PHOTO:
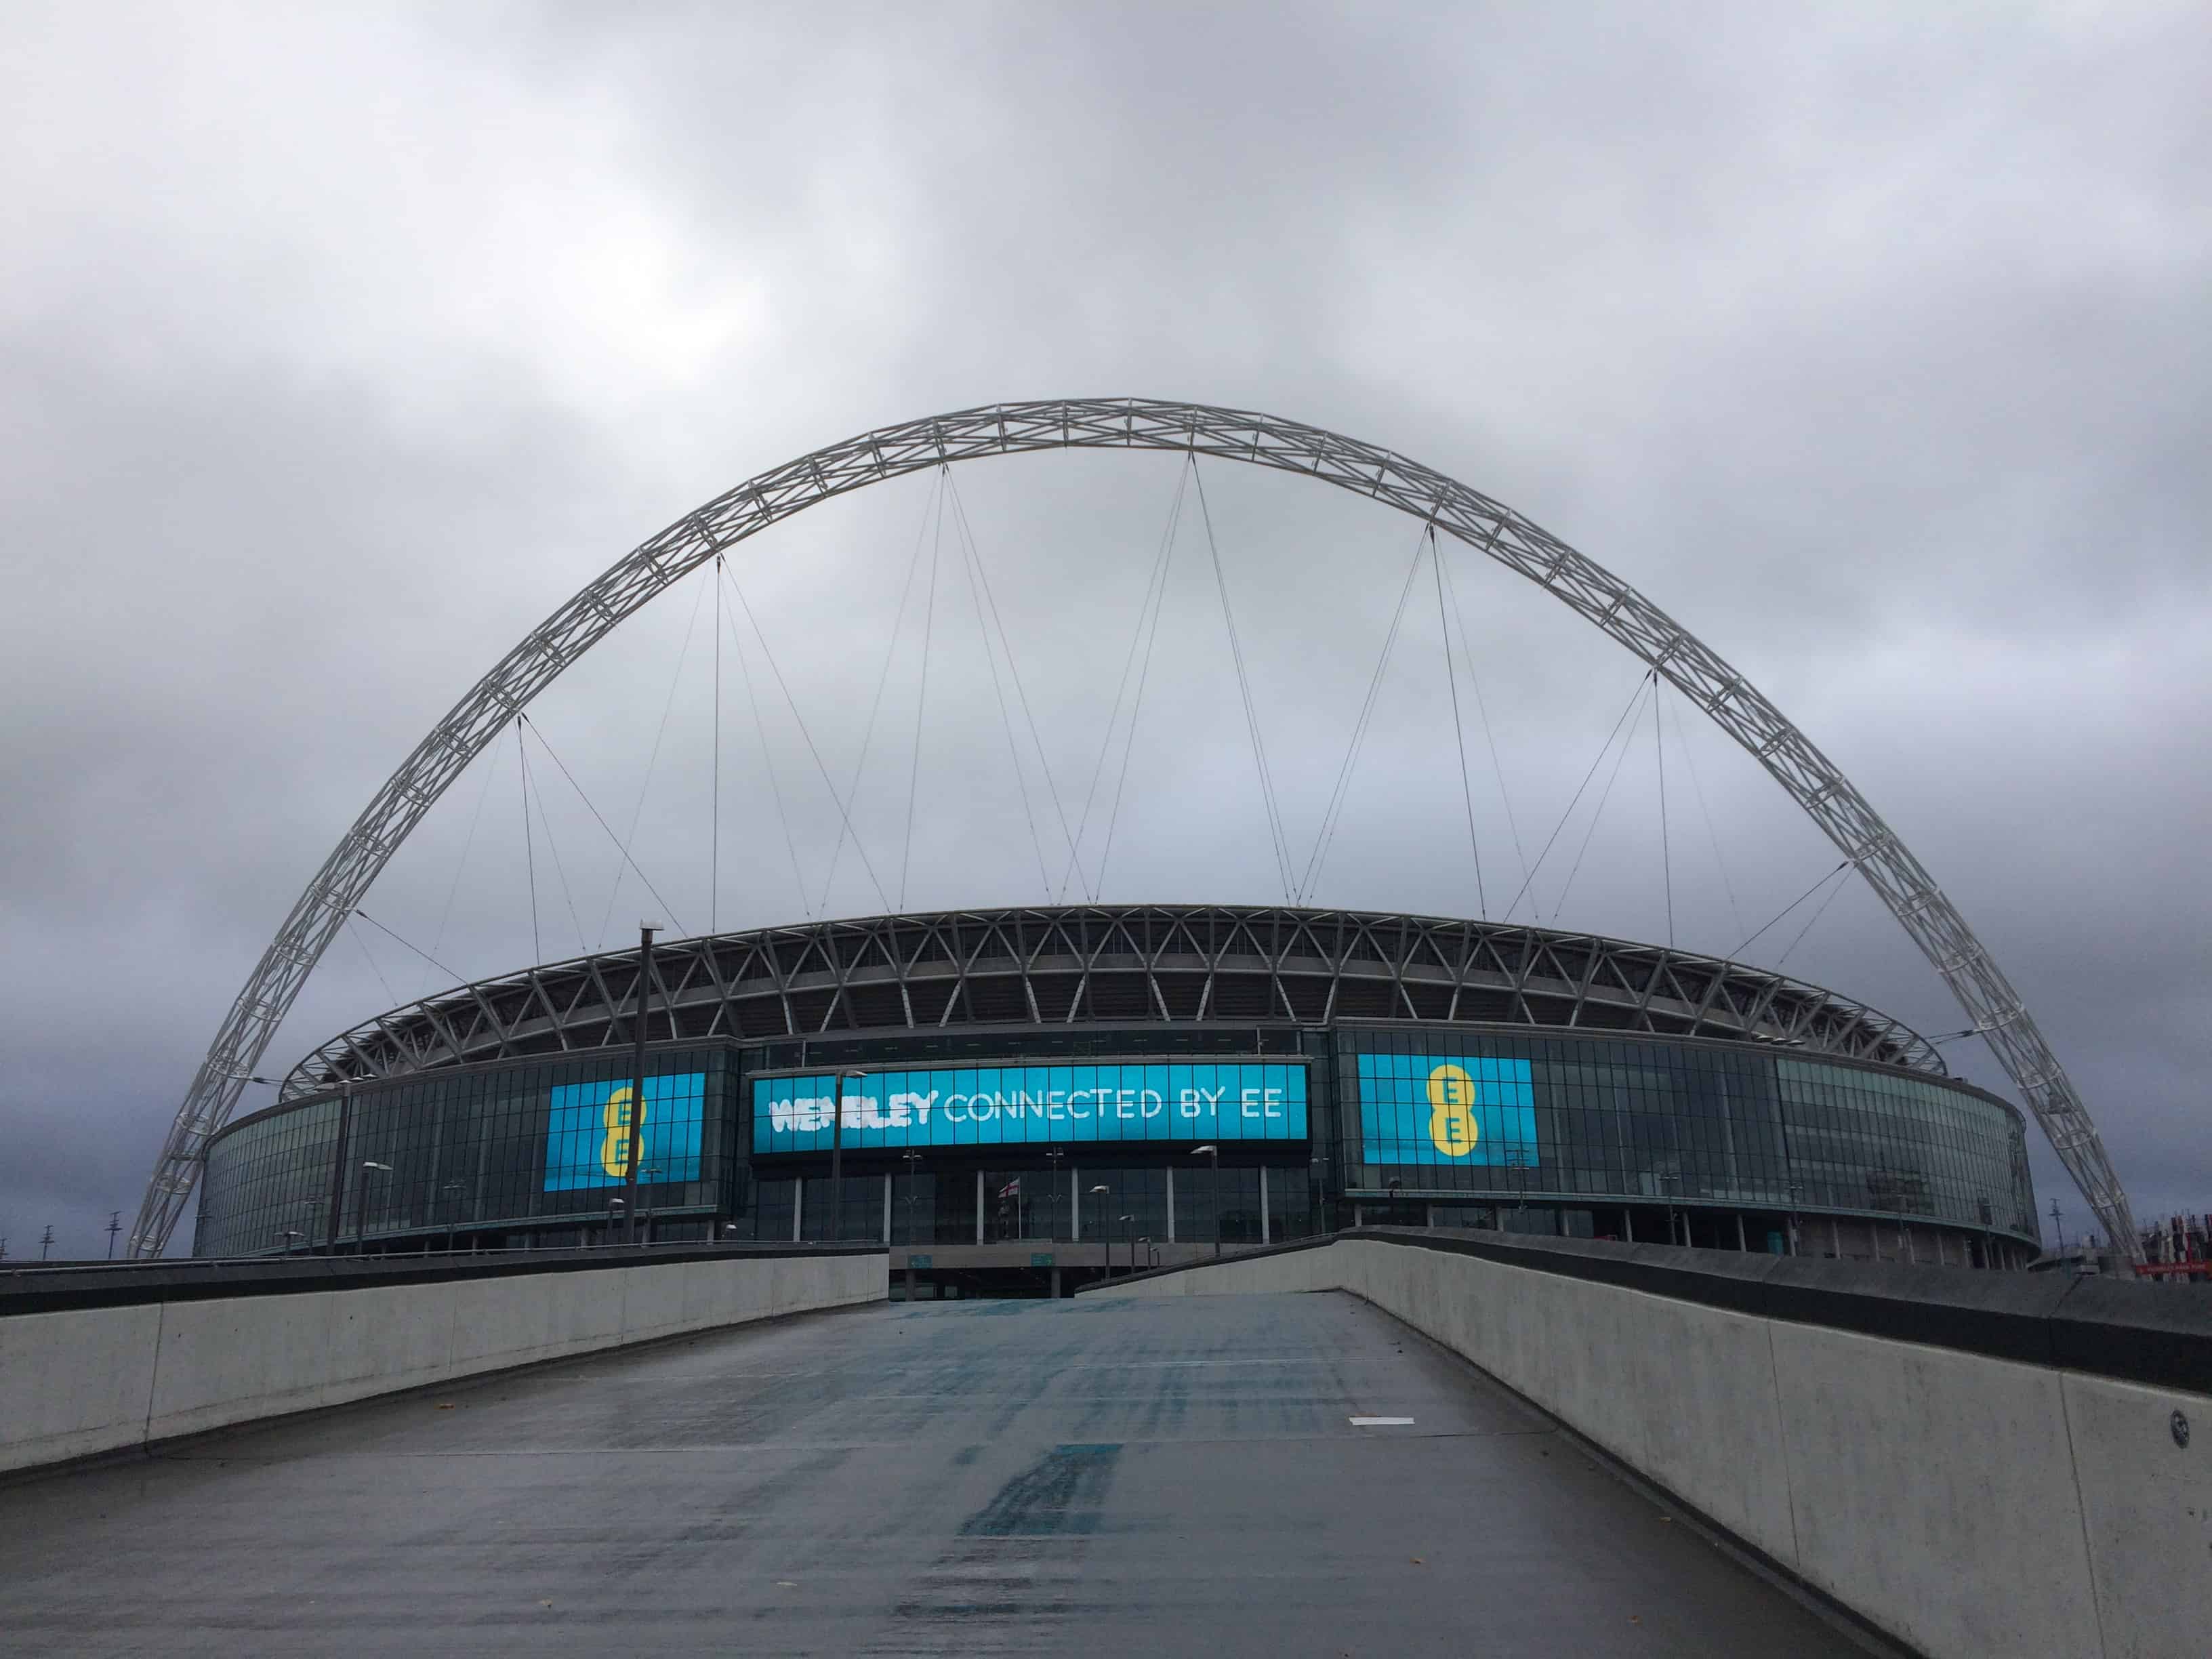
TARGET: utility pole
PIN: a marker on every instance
(635, 1127)
(2058, 1227)
(46, 1242)
(114, 1226)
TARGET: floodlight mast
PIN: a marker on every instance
(1729, 699)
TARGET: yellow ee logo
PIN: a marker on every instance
(1451, 1115)
(614, 1150)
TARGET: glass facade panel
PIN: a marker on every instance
(444, 1154)
(1653, 1121)
(1471, 1126)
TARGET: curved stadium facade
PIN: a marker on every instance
(1006, 1090)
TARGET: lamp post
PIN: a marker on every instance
(1053, 1155)
(1096, 1192)
(615, 1210)
(287, 1234)
(446, 1192)
(1213, 1192)
(360, 1220)
(837, 1152)
(634, 1138)
(339, 1161)
(913, 1161)
(1121, 1223)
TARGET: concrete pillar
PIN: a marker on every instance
(798, 1209)
(887, 1208)
(1739, 1244)
(1056, 1283)
(979, 1207)
(1171, 1236)
(1263, 1207)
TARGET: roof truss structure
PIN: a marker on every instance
(1097, 964)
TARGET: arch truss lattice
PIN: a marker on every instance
(1810, 779)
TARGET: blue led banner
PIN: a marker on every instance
(1429, 1108)
(991, 1105)
(588, 1135)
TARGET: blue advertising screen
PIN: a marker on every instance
(1426, 1109)
(587, 1134)
(993, 1105)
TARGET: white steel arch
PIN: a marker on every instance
(1583, 586)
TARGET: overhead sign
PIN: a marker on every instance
(1427, 1108)
(993, 1105)
(587, 1132)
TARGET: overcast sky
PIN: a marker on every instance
(339, 345)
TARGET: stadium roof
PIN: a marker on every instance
(1116, 965)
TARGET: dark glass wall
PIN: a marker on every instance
(1655, 1121)
(1537, 1128)
(459, 1153)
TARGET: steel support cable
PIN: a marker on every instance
(920, 699)
(553, 848)
(1013, 667)
(1340, 792)
(1819, 910)
(799, 720)
(1666, 852)
(461, 864)
(653, 760)
(1156, 579)
(1616, 609)
(1267, 799)
(667, 910)
(1482, 712)
(449, 973)
(971, 564)
(1129, 745)
(529, 848)
(1635, 699)
(1598, 811)
(1737, 954)
(932, 508)
(715, 807)
(370, 956)
(1459, 729)
(1697, 789)
(768, 762)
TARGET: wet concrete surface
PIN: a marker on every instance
(1100, 1476)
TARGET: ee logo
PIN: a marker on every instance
(1452, 1114)
(614, 1150)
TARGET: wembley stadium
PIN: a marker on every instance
(1019, 1100)
(1019, 1094)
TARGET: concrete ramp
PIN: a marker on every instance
(1262, 1475)
(1978, 1464)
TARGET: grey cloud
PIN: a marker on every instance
(337, 349)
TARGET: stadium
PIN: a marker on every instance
(1032, 1097)
(1016, 1096)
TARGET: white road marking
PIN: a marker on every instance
(1381, 1422)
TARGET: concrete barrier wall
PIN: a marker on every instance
(87, 1380)
(1966, 1503)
